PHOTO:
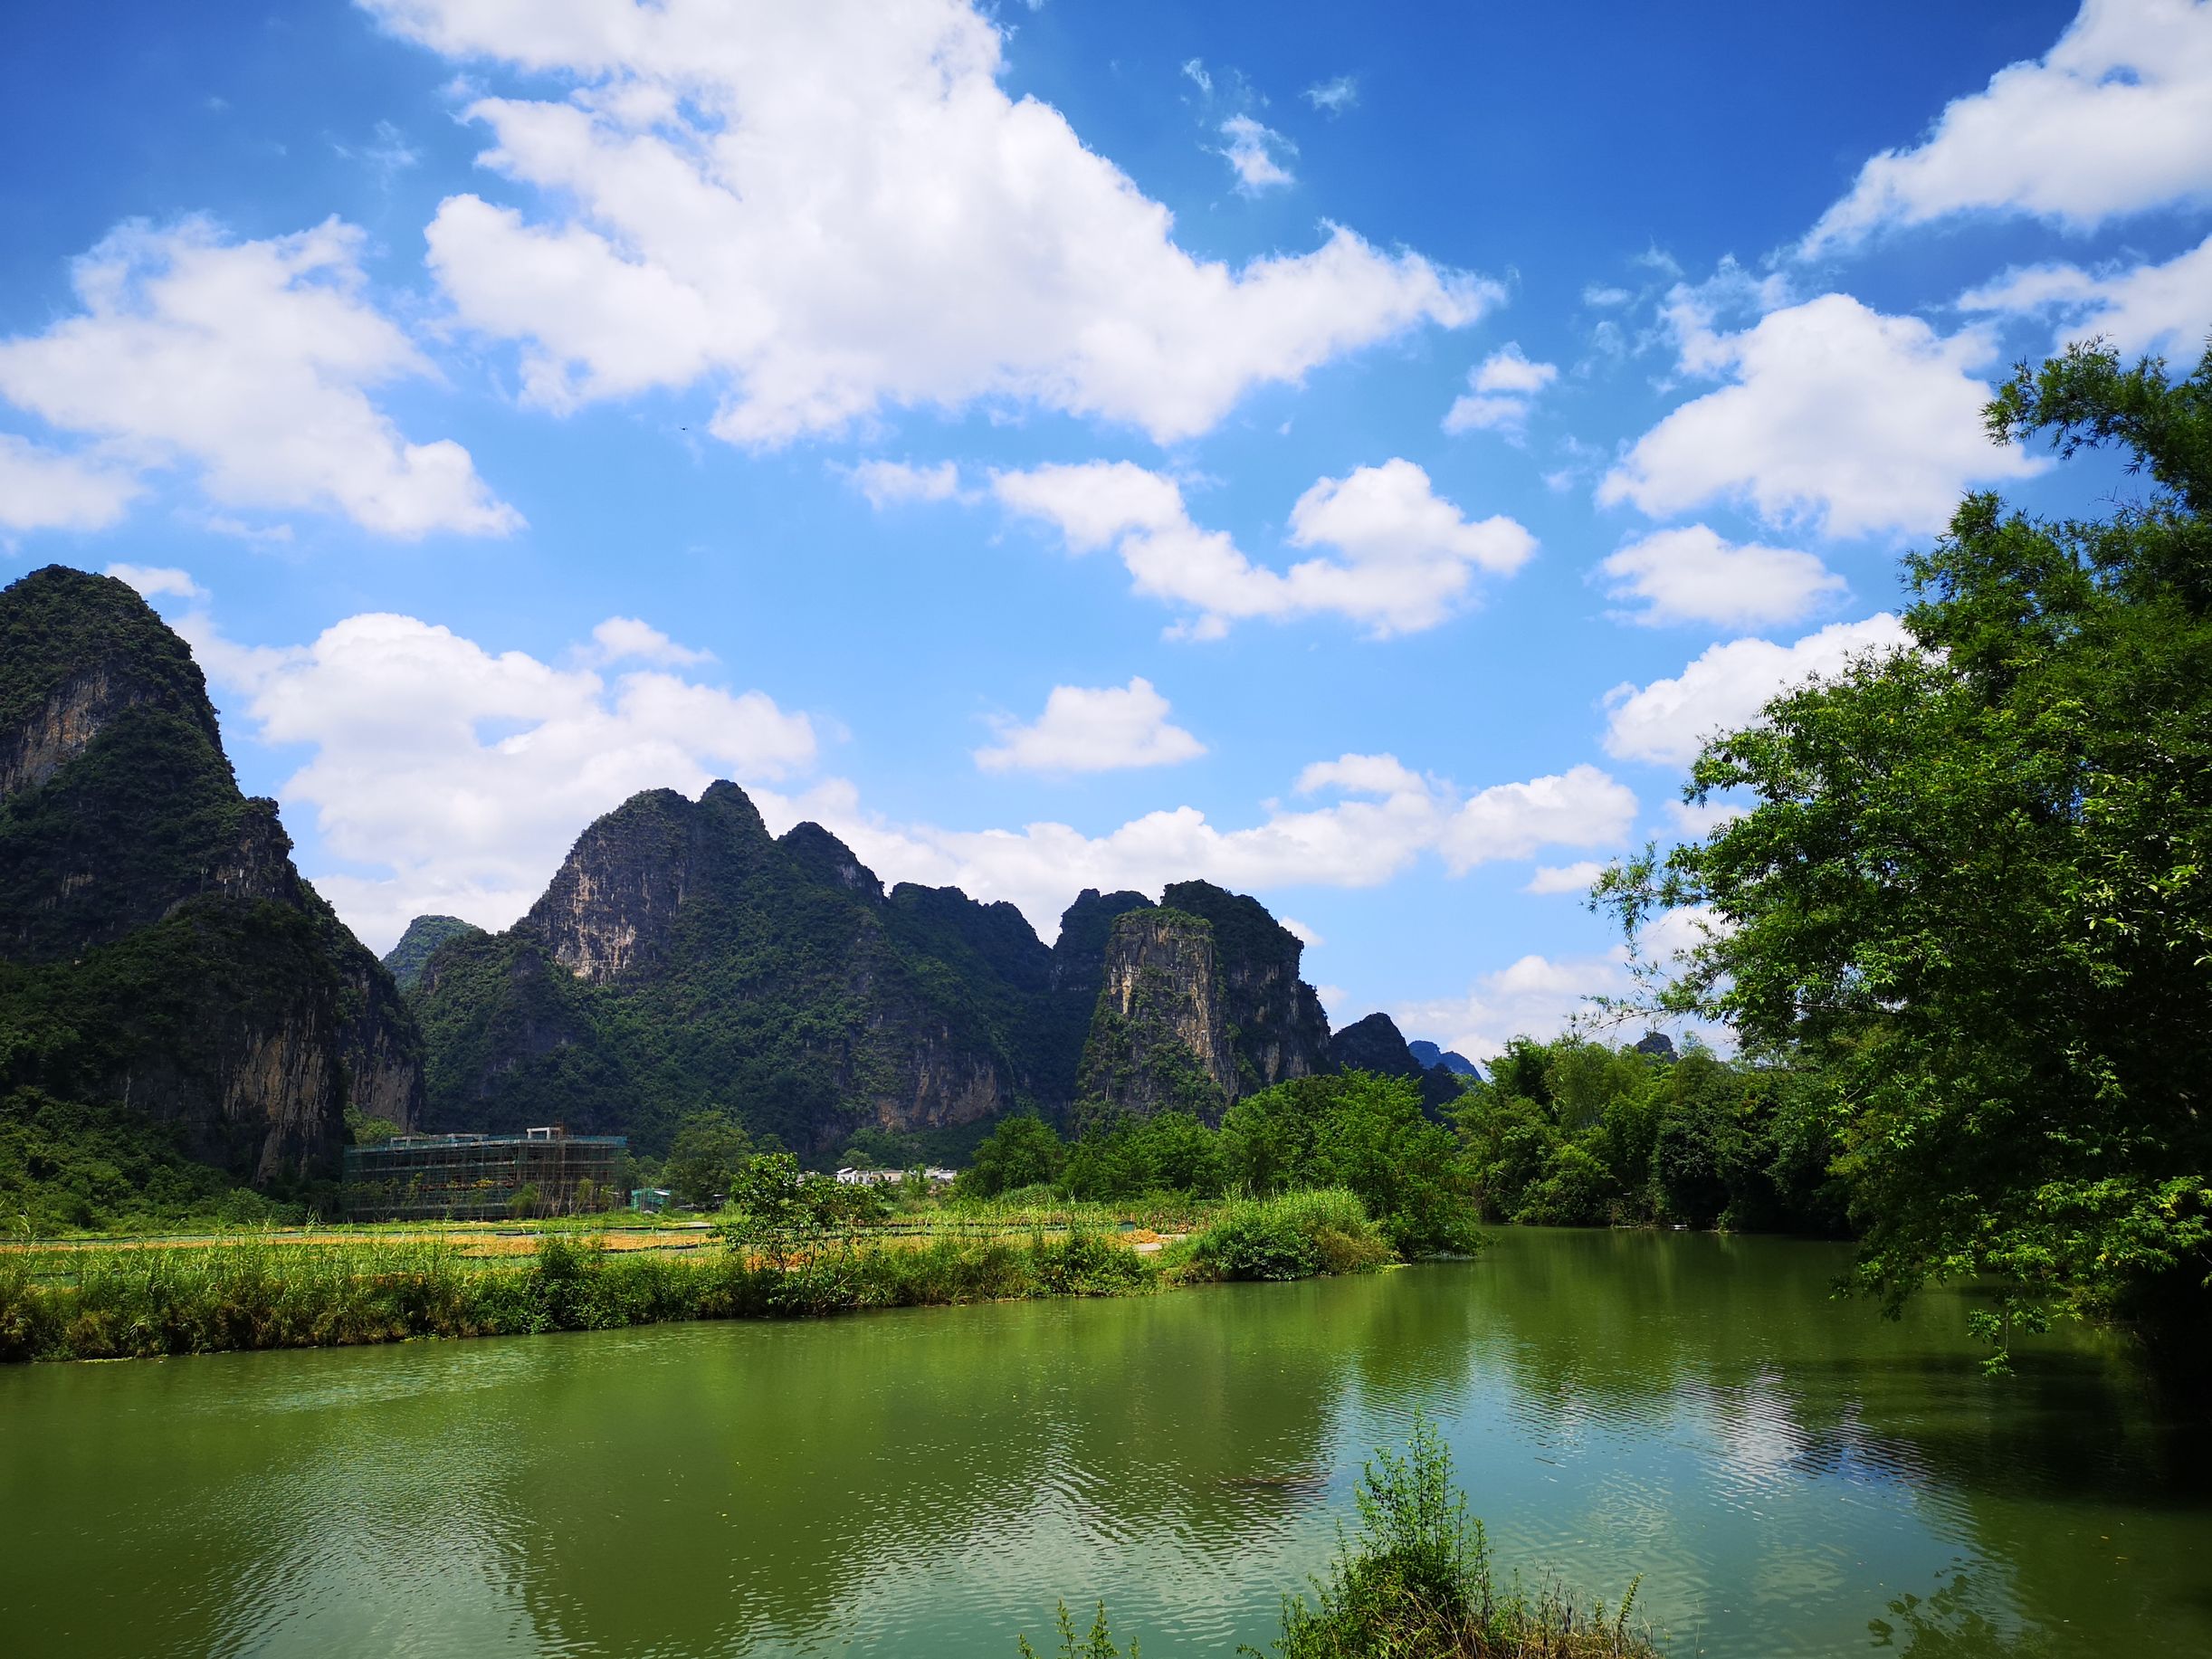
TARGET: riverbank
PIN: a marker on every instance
(251, 1294)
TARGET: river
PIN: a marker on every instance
(1780, 1468)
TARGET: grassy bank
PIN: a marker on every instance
(1417, 1581)
(103, 1304)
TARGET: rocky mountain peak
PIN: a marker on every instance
(821, 856)
(1160, 1035)
(155, 909)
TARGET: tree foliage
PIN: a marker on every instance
(1976, 882)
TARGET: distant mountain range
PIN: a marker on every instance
(162, 962)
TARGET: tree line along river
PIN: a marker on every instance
(1783, 1470)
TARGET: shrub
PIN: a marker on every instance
(1293, 1235)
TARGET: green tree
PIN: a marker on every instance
(1974, 881)
(709, 1148)
(1022, 1151)
(785, 1212)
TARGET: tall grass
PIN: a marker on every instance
(259, 1293)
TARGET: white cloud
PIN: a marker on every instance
(1574, 878)
(1537, 996)
(1694, 822)
(2163, 308)
(1581, 808)
(452, 779)
(250, 361)
(464, 774)
(1501, 390)
(1304, 935)
(1333, 97)
(43, 490)
(1252, 153)
(1724, 689)
(1693, 575)
(888, 482)
(1404, 558)
(1543, 996)
(1092, 729)
(625, 639)
(2115, 118)
(1838, 418)
(152, 580)
(1670, 934)
(836, 208)
(1602, 297)
(1193, 70)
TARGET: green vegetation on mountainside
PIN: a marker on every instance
(170, 989)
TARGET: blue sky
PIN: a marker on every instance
(1350, 455)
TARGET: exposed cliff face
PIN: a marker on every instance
(684, 959)
(172, 960)
(1159, 1037)
(1275, 1018)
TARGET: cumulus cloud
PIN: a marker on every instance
(1693, 821)
(1574, 878)
(1501, 391)
(154, 581)
(1725, 687)
(1694, 575)
(1838, 418)
(464, 775)
(1544, 997)
(1537, 996)
(444, 777)
(1581, 808)
(836, 208)
(1333, 97)
(1397, 556)
(2114, 119)
(1251, 154)
(1088, 728)
(625, 639)
(42, 489)
(251, 361)
(888, 484)
(2163, 308)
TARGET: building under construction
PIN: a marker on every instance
(477, 1177)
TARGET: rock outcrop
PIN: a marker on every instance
(1276, 1024)
(1451, 1060)
(171, 960)
(406, 959)
(1374, 1044)
(683, 959)
(1159, 1037)
(1200, 1003)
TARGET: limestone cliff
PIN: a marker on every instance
(1159, 1037)
(1276, 1024)
(168, 958)
(683, 959)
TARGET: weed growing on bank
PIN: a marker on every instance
(1416, 1582)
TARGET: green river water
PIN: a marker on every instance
(1780, 1468)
